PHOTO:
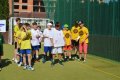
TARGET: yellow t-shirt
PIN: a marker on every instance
(67, 36)
(83, 33)
(18, 37)
(25, 40)
(16, 28)
(75, 32)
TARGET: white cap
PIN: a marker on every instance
(49, 24)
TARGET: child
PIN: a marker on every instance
(75, 35)
(1, 50)
(58, 43)
(16, 28)
(41, 36)
(83, 42)
(26, 47)
(67, 48)
(18, 45)
(47, 35)
(35, 41)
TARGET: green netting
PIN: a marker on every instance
(102, 20)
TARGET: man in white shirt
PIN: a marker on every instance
(58, 43)
(35, 41)
(47, 35)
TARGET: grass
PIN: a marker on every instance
(96, 68)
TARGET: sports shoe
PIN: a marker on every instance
(30, 68)
(52, 62)
(25, 67)
(43, 60)
(20, 64)
(84, 61)
(15, 60)
(60, 62)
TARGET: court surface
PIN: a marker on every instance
(96, 68)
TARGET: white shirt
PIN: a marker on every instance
(35, 41)
(47, 33)
(58, 38)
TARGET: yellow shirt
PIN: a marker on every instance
(67, 36)
(16, 28)
(25, 40)
(18, 39)
(75, 32)
(83, 33)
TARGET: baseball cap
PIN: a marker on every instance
(49, 24)
(66, 26)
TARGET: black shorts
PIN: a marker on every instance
(75, 43)
(15, 45)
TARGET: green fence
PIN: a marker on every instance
(101, 18)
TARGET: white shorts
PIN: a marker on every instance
(57, 50)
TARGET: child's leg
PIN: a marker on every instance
(85, 50)
(50, 53)
(65, 54)
(80, 50)
(37, 54)
(60, 56)
(15, 53)
(24, 59)
(29, 59)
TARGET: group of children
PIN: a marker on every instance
(57, 41)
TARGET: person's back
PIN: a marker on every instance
(58, 38)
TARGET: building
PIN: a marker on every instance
(32, 8)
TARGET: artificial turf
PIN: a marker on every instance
(96, 68)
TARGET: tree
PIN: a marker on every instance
(4, 10)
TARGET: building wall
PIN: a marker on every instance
(32, 8)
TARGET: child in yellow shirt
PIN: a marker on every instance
(67, 36)
(83, 41)
(16, 28)
(25, 47)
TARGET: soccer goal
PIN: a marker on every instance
(40, 21)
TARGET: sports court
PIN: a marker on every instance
(96, 68)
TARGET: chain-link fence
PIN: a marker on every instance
(102, 17)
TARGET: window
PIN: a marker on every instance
(36, 9)
(41, 3)
(42, 9)
(24, 1)
(36, 3)
(24, 7)
(16, 6)
(16, 0)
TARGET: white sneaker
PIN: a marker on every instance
(16, 61)
(13, 59)
(20, 64)
(25, 67)
(30, 68)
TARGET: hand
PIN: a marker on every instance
(83, 41)
(37, 36)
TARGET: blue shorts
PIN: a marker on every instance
(35, 47)
(47, 49)
(25, 51)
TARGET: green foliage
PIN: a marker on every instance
(4, 10)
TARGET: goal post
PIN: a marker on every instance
(40, 21)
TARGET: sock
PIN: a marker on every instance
(37, 57)
(65, 57)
